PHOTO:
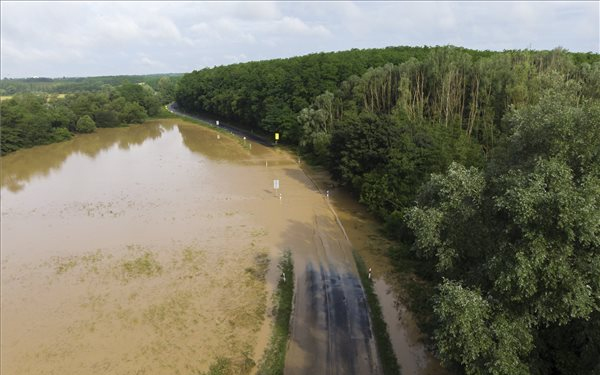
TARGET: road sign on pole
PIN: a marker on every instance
(275, 184)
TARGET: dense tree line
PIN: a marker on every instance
(505, 148)
(516, 245)
(33, 119)
(269, 94)
(163, 84)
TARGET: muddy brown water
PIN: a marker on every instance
(141, 249)
(366, 238)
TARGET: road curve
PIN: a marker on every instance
(172, 107)
(330, 327)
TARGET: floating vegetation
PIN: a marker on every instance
(260, 267)
(259, 232)
(193, 258)
(231, 366)
(173, 312)
(88, 261)
(143, 266)
(63, 265)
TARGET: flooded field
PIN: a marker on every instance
(137, 250)
(146, 250)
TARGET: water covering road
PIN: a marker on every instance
(330, 328)
(331, 331)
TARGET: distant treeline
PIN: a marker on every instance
(31, 119)
(485, 166)
(69, 85)
(444, 81)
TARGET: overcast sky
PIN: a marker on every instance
(56, 39)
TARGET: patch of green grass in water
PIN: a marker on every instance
(65, 265)
(226, 366)
(389, 363)
(273, 361)
(145, 265)
(261, 265)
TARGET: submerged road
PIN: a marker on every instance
(172, 107)
(331, 331)
(330, 327)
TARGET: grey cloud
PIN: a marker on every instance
(100, 38)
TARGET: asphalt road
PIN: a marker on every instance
(331, 331)
(222, 125)
(330, 327)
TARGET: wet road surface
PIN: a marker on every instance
(330, 327)
(331, 330)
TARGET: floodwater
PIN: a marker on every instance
(145, 250)
(138, 250)
(366, 238)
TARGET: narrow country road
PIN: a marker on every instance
(331, 330)
(172, 107)
(330, 327)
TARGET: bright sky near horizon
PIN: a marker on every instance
(56, 39)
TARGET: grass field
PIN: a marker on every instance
(51, 96)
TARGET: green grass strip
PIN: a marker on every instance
(273, 361)
(389, 363)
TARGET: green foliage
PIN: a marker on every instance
(273, 361)
(107, 118)
(471, 334)
(133, 113)
(389, 362)
(34, 119)
(28, 120)
(519, 243)
(72, 85)
(85, 124)
(268, 95)
(443, 85)
(141, 98)
(458, 197)
(222, 366)
(61, 134)
(144, 265)
(317, 124)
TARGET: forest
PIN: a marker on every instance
(484, 167)
(70, 85)
(35, 118)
